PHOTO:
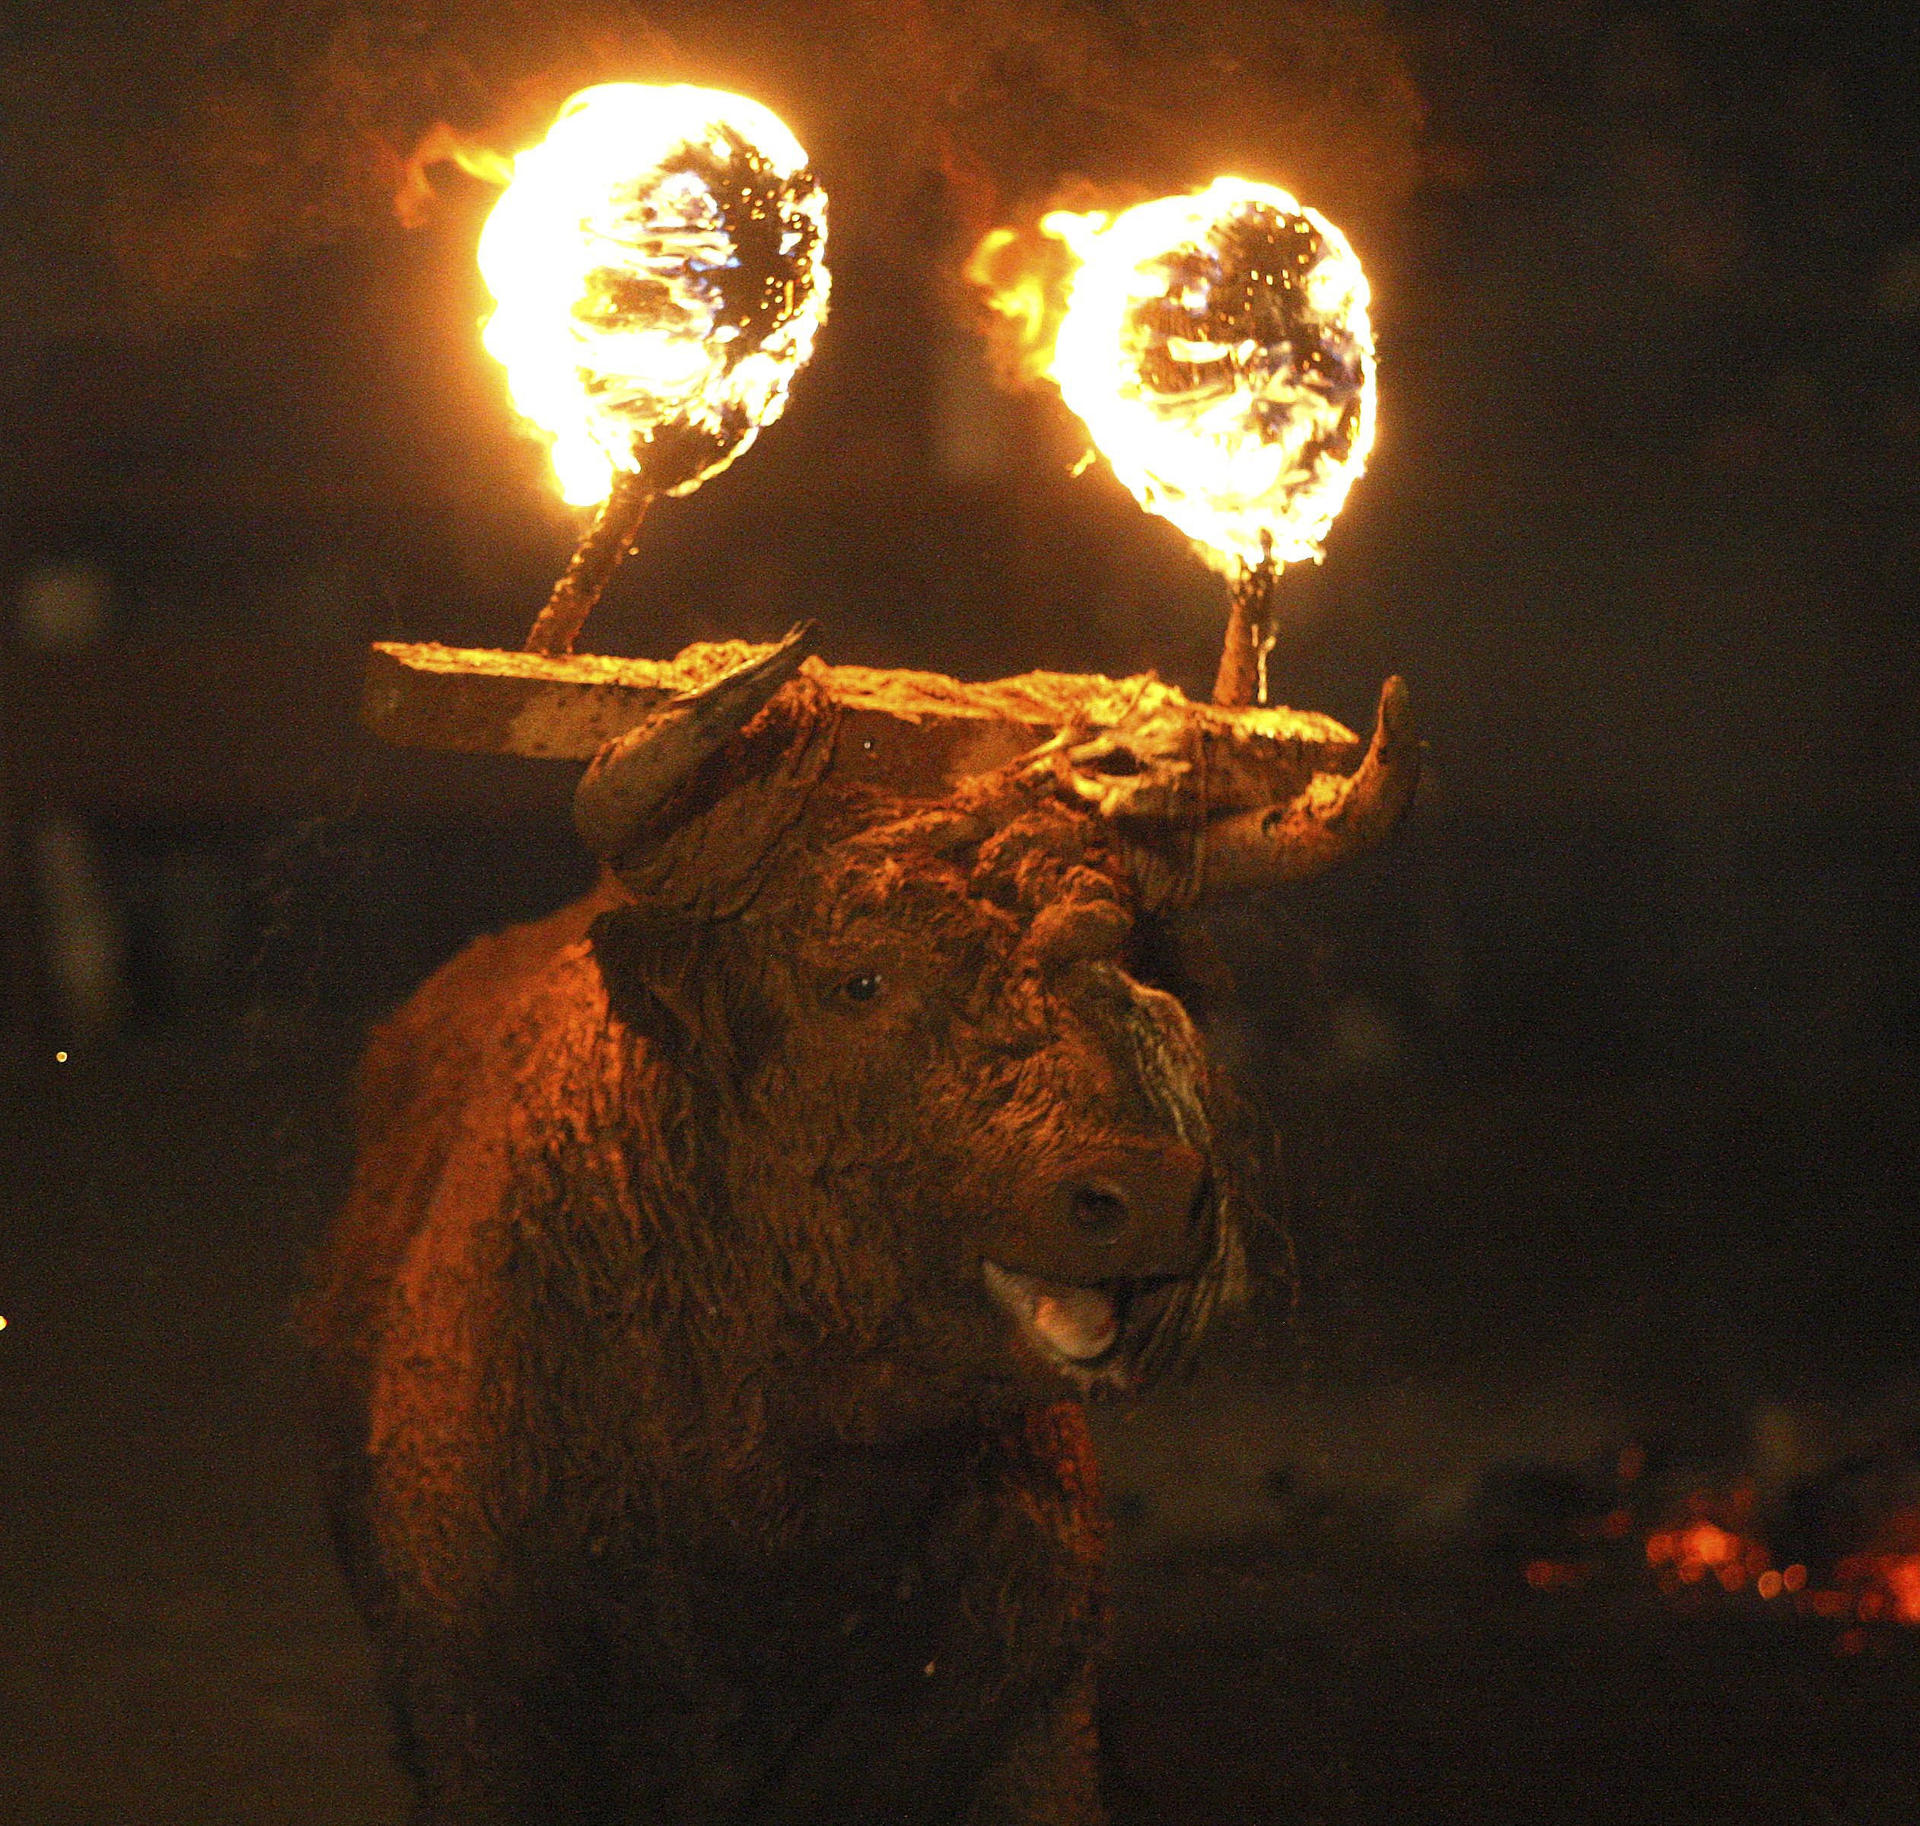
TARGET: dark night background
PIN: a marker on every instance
(1597, 1089)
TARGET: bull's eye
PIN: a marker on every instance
(861, 988)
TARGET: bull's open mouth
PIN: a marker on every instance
(1091, 1331)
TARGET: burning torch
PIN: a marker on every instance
(658, 265)
(1218, 350)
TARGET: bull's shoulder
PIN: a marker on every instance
(436, 1077)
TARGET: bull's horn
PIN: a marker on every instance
(1334, 817)
(633, 779)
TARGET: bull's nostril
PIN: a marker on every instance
(1099, 1210)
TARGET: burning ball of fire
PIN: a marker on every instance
(1218, 349)
(658, 264)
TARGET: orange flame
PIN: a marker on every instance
(443, 145)
(609, 258)
(1023, 279)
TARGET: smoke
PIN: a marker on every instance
(160, 157)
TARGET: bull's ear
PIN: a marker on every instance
(677, 983)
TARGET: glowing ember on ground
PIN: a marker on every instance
(659, 268)
(1716, 1545)
(1218, 349)
(1702, 1549)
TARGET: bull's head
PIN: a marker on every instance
(978, 1145)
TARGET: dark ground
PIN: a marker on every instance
(1312, 1626)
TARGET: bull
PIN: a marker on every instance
(702, 1347)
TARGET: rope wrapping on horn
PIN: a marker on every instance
(1187, 789)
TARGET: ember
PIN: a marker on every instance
(1716, 1541)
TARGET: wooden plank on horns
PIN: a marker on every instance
(908, 732)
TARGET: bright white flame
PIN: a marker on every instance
(658, 262)
(1218, 349)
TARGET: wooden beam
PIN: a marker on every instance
(909, 732)
(213, 730)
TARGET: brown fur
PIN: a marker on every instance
(683, 1466)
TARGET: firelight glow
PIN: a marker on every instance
(1218, 349)
(658, 264)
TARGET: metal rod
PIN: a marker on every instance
(594, 561)
(1242, 678)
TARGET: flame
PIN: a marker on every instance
(441, 144)
(1218, 349)
(658, 267)
(1023, 279)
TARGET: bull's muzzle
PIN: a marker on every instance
(1135, 1215)
(1086, 1281)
